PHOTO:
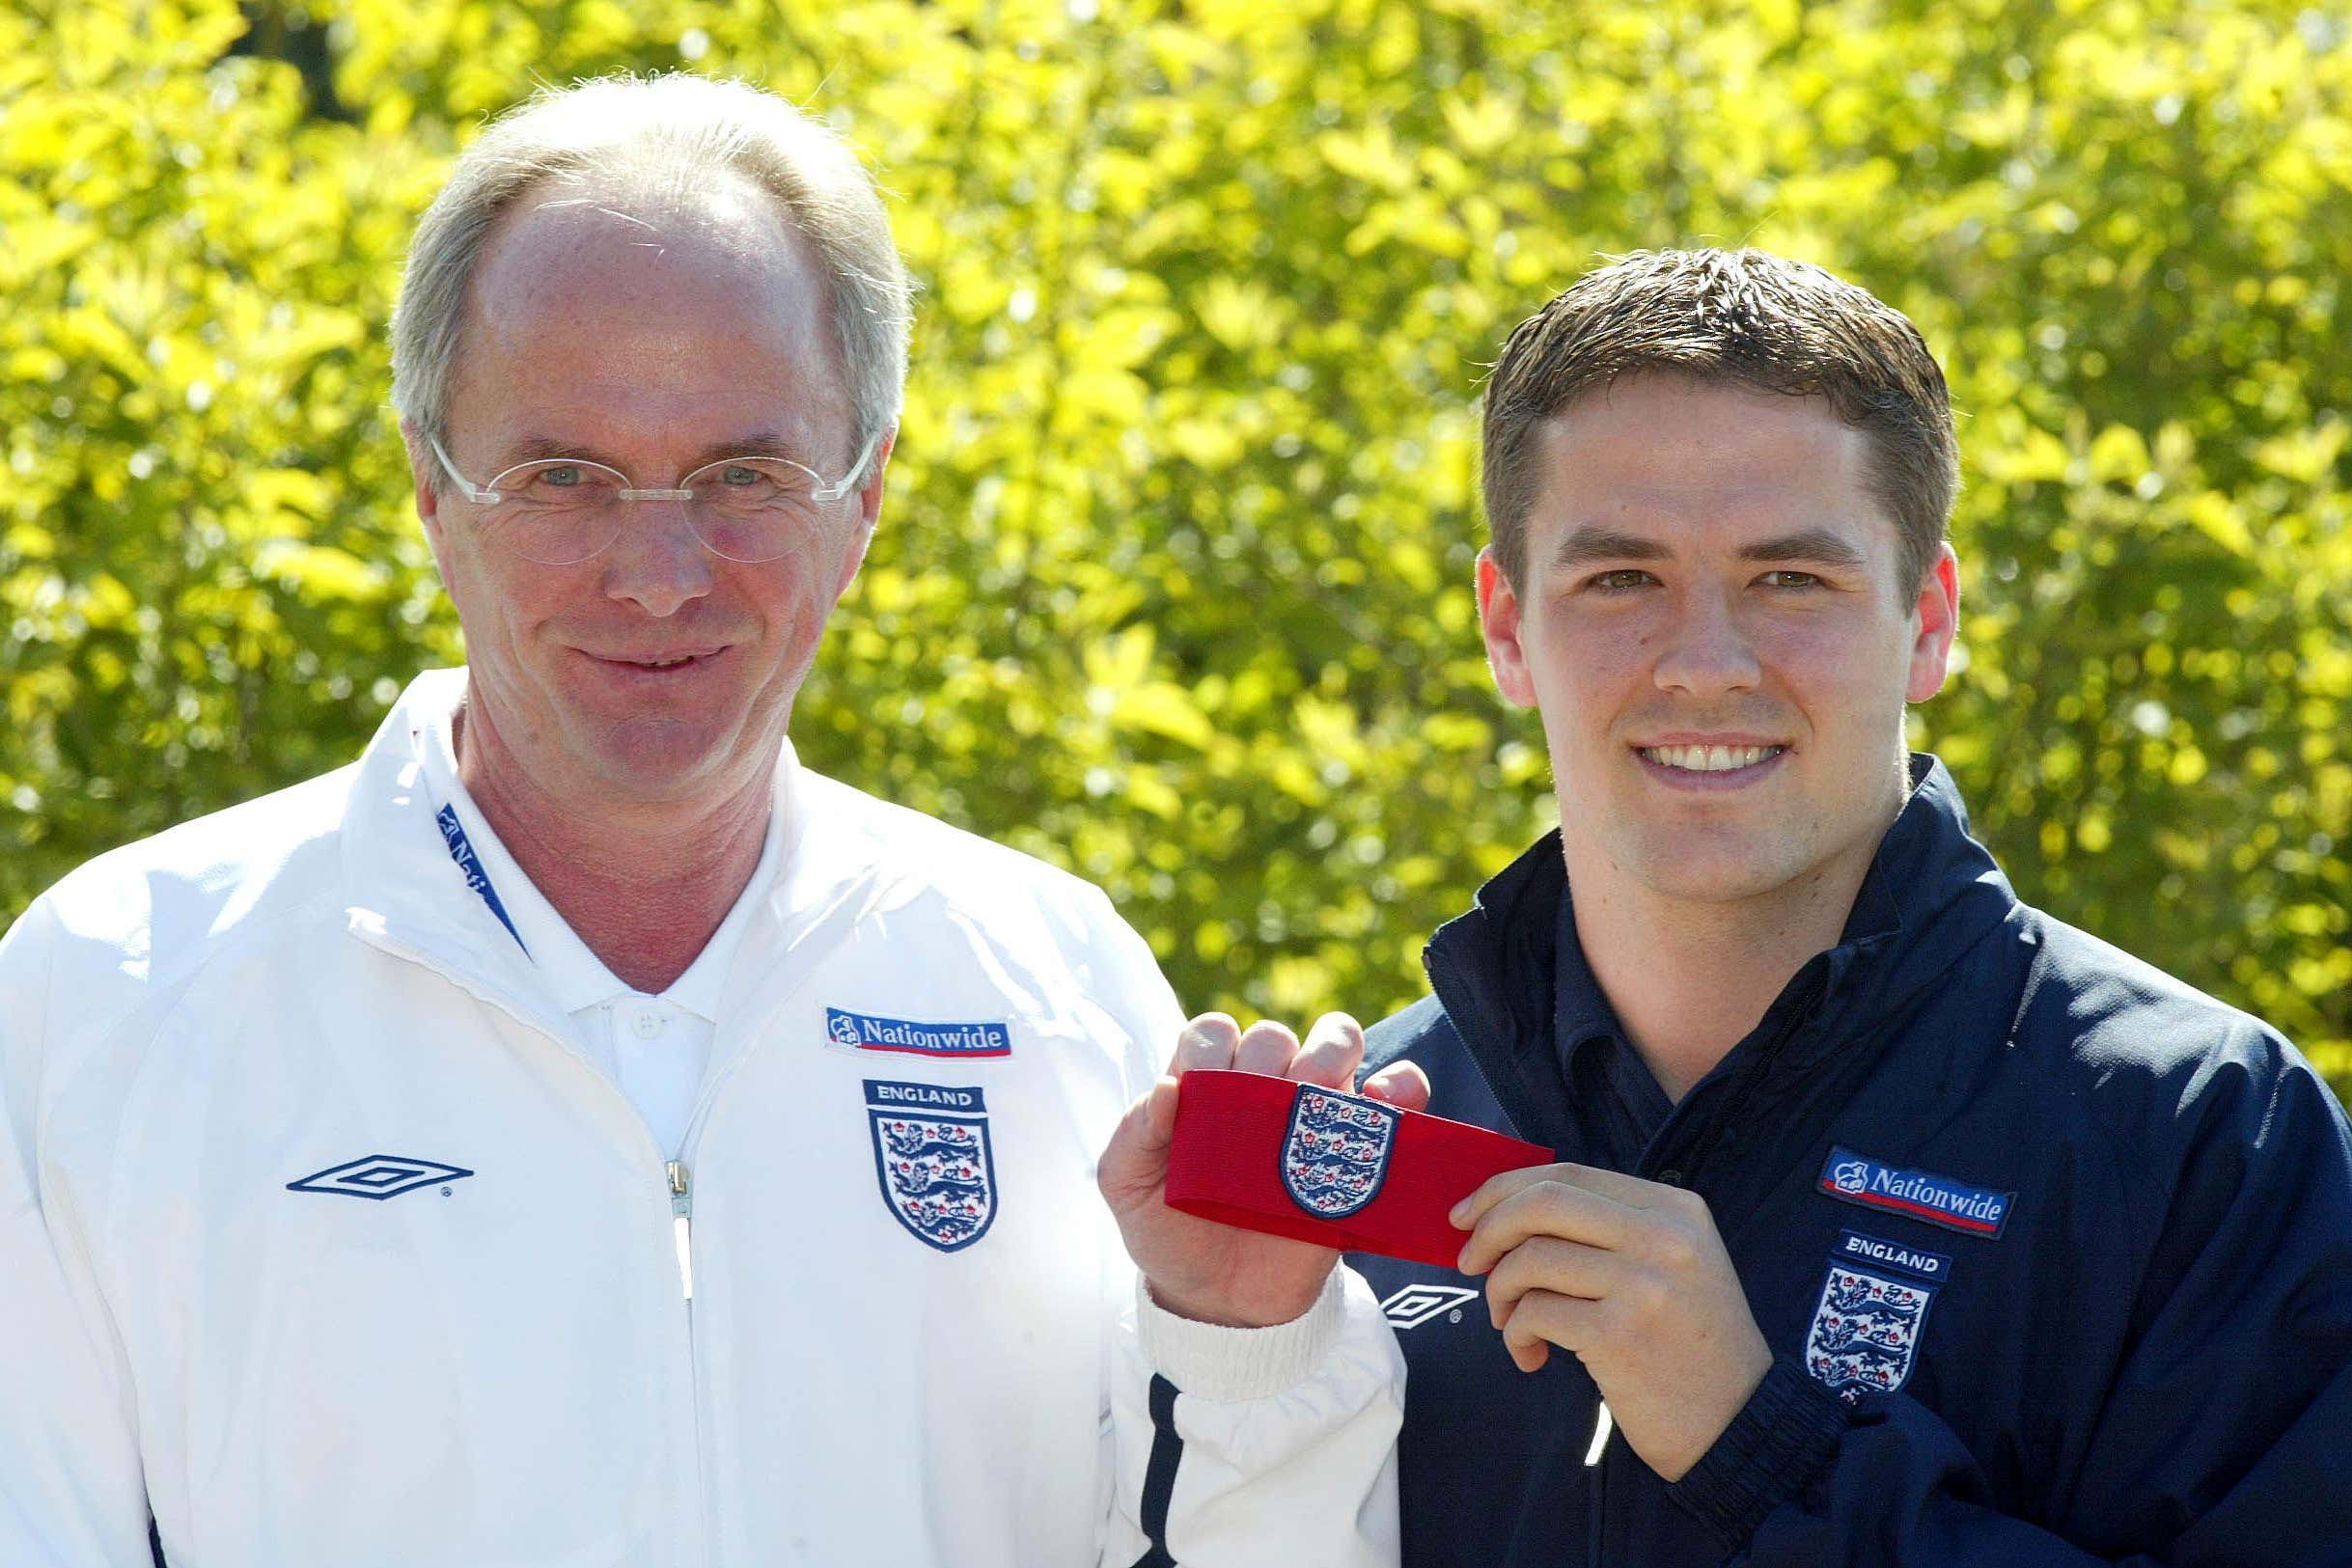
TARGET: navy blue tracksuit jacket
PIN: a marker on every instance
(2054, 1253)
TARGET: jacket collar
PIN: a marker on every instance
(402, 886)
(406, 891)
(569, 974)
(1931, 890)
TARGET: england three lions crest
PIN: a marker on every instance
(1336, 1153)
(931, 1154)
(1865, 1332)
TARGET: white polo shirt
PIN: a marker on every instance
(656, 1047)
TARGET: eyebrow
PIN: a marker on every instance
(1587, 545)
(1817, 545)
(532, 449)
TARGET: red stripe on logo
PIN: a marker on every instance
(936, 1050)
(1882, 1201)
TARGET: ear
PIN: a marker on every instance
(869, 512)
(1499, 622)
(423, 474)
(869, 493)
(1935, 619)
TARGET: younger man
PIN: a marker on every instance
(1906, 1225)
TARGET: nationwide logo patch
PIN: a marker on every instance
(871, 1032)
(1921, 1195)
(931, 1154)
(1336, 1153)
(378, 1176)
(1865, 1332)
(1416, 1305)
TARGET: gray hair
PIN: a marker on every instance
(659, 134)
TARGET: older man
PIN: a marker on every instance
(577, 1135)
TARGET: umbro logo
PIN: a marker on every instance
(378, 1176)
(1416, 1305)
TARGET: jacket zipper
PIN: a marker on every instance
(681, 1228)
(1751, 1080)
(678, 1180)
(1597, 1457)
(1597, 1454)
(1597, 1534)
(1686, 1177)
(1596, 1461)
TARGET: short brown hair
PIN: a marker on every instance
(1748, 317)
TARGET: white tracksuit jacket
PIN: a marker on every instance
(322, 1243)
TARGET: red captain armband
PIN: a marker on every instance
(1314, 1165)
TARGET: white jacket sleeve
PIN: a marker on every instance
(1242, 1447)
(71, 1490)
(1238, 1447)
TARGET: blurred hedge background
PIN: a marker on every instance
(1174, 581)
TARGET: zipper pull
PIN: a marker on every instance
(681, 1223)
(1601, 1429)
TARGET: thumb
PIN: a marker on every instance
(1135, 1163)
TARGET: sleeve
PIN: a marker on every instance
(1238, 1447)
(2220, 1442)
(72, 1495)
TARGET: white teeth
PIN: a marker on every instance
(1709, 758)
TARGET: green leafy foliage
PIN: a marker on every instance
(1174, 586)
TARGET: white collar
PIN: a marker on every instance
(405, 890)
(573, 975)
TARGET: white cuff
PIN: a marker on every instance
(1209, 1361)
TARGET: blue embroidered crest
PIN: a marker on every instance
(378, 1176)
(1865, 1332)
(931, 1154)
(1336, 1153)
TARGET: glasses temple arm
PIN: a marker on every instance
(849, 482)
(479, 498)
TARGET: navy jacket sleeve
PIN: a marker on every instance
(2227, 1434)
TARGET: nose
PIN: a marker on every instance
(1705, 654)
(657, 563)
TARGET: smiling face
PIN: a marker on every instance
(1711, 629)
(653, 341)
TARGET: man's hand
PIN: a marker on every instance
(1198, 1268)
(1632, 1278)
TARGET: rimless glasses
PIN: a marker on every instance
(557, 512)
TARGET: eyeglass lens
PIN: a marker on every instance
(560, 512)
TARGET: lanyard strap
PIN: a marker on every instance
(469, 866)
